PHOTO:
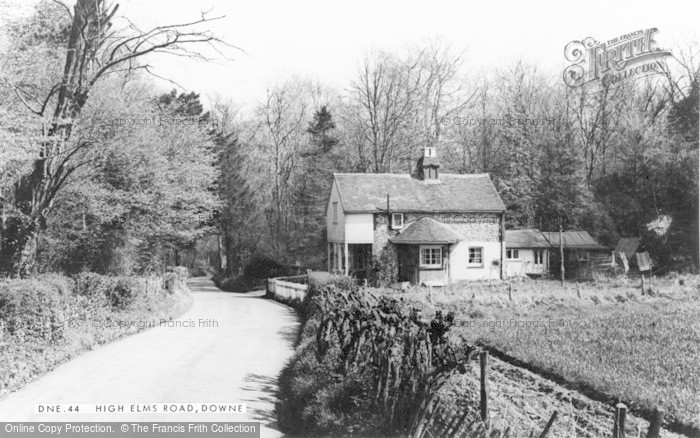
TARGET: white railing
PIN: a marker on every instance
(286, 289)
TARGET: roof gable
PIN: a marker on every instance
(367, 193)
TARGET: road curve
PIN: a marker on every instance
(237, 362)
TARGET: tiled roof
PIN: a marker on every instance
(539, 239)
(367, 193)
(426, 231)
(526, 239)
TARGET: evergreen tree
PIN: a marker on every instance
(236, 218)
(319, 162)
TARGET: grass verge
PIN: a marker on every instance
(48, 320)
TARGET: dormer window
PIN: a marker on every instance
(335, 213)
(397, 221)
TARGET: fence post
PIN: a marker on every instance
(551, 421)
(620, 416)
(655, 424)
(510, 290)
(484, 360)
(642, 283)
(578, 289)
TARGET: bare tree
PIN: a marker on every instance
(95, 49)
(384, 99)
(478, 140)
(444, 92)
(596, 113)
(281, 135)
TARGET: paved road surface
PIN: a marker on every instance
(236, 362)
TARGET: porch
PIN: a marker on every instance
(424, 250)
(424, 264)
(350, 259)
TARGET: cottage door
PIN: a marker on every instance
(408, 262)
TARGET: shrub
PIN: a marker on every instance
(91, 285)
(181, 271)
(125, 290)
(33, 309)
(63, 284)
(364, 364)
(174, 283)
(385, 268)
(118, 292)
(319, 280)
(261, 266)
(49, 319)
(237, 284)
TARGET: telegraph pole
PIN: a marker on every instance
(561, 249)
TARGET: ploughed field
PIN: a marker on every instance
(606, 338)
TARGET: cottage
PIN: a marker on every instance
(527, 253)
(428, 228)
(537, 253)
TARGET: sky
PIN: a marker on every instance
(325, 39)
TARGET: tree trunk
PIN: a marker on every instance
(561, 254)
(222, 251)
(25, 260)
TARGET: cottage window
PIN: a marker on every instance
(335, 212)
(476, 256)
(397, 221)
(539, 257)
(512, 254)
(431, 257)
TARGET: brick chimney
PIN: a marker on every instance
(428, 164)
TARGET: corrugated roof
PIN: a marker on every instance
(573, 239)
(539, 239)
(628, 245)
(526, 239)
(426, 231)
(367, 193)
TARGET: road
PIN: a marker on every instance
(237, 361)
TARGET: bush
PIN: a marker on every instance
(33, 309)
(181, 271)
(261, 266)
(319, 280)
(125, 291)
(385, 268)
(237, 284)
(174, 283)
(118, 292)
(49, 319)
(364, 365)
(63, 284)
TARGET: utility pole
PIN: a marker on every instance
(561, 250)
